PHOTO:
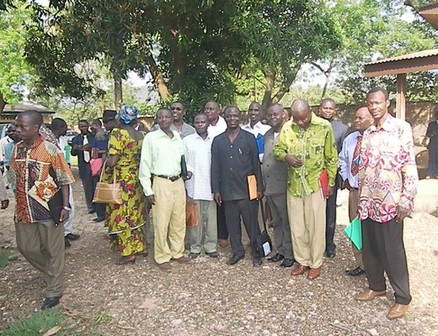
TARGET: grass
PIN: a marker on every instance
(37, 324)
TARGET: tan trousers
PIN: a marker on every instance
(307, 223)
(205, 234)
(353, 199)
(169, 219)
(42, 244)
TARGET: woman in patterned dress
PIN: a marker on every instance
(126, 221)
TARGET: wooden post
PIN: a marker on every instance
(400, 104)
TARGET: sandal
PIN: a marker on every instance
(126, 260)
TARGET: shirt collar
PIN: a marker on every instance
(387, 125)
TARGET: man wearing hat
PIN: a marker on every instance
(109, 120)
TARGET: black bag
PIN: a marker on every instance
(56, 204)
(264, 244)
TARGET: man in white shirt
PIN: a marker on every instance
(197, 151)
(350, 178)
(256, 127)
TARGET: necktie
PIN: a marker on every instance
(86, 153)
(356, 156)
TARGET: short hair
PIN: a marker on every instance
(328, 100)
(214, 102)
(164, 109)
(35, 116)
(378, 89)
(179, 102)
(96, 122)
(230, 108)
(202, 115)
(83, 121)
(57, 123)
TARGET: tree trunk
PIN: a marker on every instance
(157, 77)
(285, 86)
(2, 103)
(118, 93)
(269, 79)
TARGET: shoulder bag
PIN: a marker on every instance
(110, 193)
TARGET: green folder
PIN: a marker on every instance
(354, 232)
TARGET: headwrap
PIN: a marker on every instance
(127, 114)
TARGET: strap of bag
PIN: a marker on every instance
(103, 170)
(263, 215)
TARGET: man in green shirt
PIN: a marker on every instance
(307, 144)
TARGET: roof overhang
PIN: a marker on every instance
(418, 61)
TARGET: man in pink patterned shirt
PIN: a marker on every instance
(387, 187)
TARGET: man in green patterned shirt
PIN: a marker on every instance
(307, 144)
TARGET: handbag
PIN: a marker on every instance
(56, 205)
(95, 166)
(264, 244)
(109, 193)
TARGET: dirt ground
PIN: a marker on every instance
(207, 297)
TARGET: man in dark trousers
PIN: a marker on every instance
(40, 170)
(432, 147)
(81, 147)
(234, 158)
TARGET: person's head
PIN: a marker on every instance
(378, 103)
(127, 115)
(212, 110)
(301, 113)
(232, 117)
(28, 125)
(327, 108)
(276, 116)
(254, 113)
(83, 126)
(164, 118)
(363, 119)
(109, 119)
(178, 111)
(95, 126)
(201, 124)
(58, 127)
(12, 131)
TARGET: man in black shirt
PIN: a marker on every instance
(234, 157)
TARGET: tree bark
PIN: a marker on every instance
(2, 103)
(158, 77)
(269, 78)
(285, 86)
(118, 93)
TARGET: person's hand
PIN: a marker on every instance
(293, 161)
(4, 204)
(64, 215)
(150, 199)
(346, 185)
(217, 198)
(330, 191)
(259, 195)
(402, 213)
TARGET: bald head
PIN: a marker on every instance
(33, 116)
(276, 116)
(363, 119)
(28, 125)
(301, 113)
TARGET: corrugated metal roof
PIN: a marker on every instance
(419, 54)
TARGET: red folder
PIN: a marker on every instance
(323, 183)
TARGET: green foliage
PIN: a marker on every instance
(37, 324)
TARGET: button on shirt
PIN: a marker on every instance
(387, 172)
(232, 163)
(160, 155)
(315, 146)
(346, 158)
(198, 158)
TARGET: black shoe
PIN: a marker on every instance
(331, 253)
(66, 243)
(50, 302)
(235, 259)
(257, 262)
(92, 211)
(276, 257)
(213, 254)
(355, 272)
(98, 219)
(287, 262)
(193, 255)
(72, 236)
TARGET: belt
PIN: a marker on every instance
(171, 178)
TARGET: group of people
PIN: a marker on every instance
(227, 169)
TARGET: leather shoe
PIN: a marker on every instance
(234, 259)
(213, 254)
(299, 269)
(165, 267)
(91, 211)
(72, 236)
(331, 253)
(182, 260)
(355, 272)
(397, 310)
(67, 243)
(50, 302)
(314, 273)
(98, 219)
(276, 257)
(257, 262)
(193, 255)
(287, 262)
(368, 295)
